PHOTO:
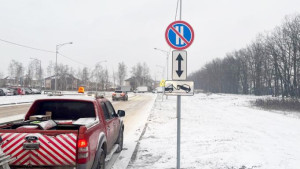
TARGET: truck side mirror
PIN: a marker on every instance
(121, 113)
(0, 139)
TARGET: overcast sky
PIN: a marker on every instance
(128, 30)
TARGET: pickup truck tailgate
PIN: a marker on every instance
(36, 149)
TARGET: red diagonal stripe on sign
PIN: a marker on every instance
(71, 137)
(181, 37)
(22, 157)
(40, 160)
(46, 157)
(66, 147)
(67, 141)
(12, 145)
(19, 147)
(60, 149)
(51, 154)
(6, 136)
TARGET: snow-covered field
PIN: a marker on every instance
(219, 132)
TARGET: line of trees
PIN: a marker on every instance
(95, 78)
(269, 65)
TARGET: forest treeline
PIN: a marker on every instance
(269, 65)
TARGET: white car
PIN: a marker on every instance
(7, 92)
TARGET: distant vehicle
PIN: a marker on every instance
(120, 95)
(2, 92)
(36, 91)
(141, 89)
(27, 90)
(125, 88)
(158, 90)
(184, 87)
(7, 92)
(170, 88)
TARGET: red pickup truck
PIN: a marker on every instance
(64, 132)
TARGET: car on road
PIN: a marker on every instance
(13, 90)
(27, 90)
(2, 92)
(7, 92)
(120, 95)
(184, 87)
(62, 132)
(36, 91)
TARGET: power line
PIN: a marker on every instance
(43, 50)
(72, 59)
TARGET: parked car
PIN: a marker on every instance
(2, 92)
(7, 92)
(36, 91)
(27, 90)
(64, 133)
(120, 95)
(13, 90)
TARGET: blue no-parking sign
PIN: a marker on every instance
(179, 35)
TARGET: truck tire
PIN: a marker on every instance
(120, 141)
(101, 161)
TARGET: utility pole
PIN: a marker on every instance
(57, 47)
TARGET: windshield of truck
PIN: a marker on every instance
(66, 110)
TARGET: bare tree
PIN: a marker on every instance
(122, 72)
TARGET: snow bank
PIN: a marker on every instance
(219, 132)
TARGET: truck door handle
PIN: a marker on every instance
(114, 124)
(108, 128)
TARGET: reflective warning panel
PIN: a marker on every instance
(179, 88)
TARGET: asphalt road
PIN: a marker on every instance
(134, 109)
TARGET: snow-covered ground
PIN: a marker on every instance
(219, 132)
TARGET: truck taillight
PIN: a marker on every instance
(122, 94)
(82, 143)
(83, 151)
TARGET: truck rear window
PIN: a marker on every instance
(66, 110)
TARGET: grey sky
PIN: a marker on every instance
(128, 30)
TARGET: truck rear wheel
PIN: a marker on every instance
(101, 161)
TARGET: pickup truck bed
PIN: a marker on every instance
(64, 133)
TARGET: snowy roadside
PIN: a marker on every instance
(219, 132)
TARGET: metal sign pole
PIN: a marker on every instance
(178, 129)
(178, 114)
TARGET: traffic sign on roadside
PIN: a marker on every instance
(162, 83)
(179, 35)
(179, 88)
(179, 65)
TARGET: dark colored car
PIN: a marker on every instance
(170, 88)
(2, 92)
(120, 95)
(184, 87)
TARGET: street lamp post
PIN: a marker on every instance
(40, 74)
(96, 78)
(167, 54)
(162, 97)
(57, 47)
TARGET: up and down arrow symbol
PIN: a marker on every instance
(179, 59)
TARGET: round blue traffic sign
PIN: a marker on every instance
(179, 35)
